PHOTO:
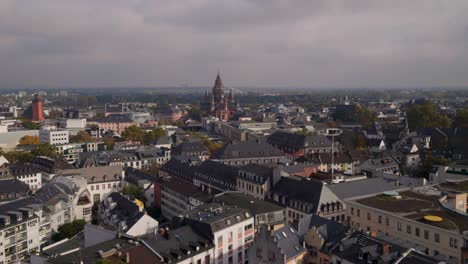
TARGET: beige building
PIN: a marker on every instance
(421, 216)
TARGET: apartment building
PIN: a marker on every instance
(101, 181)
(53, 137)
(27, 174)
(248, 152)
(230, 229)
(71, 151)
(421, 216)
(176, 197)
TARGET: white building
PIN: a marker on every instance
(101, 181)
(28, 175)
(231, 230)
(53, 137)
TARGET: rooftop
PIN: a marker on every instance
(416, 206)
(240, 200)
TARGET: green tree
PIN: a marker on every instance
(135, 191)
(153, 135)
(461, 118)
(44, 150)
(194, 111)
(68, 230)
(134, 133)
(426, 115)
(28, 124)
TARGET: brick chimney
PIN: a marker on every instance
(385, 249)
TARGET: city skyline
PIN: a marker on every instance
(306, 44)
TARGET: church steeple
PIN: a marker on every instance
(218, 89)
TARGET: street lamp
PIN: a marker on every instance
(333, 132)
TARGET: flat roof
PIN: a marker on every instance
(415, 206)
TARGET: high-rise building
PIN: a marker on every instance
(37, 108)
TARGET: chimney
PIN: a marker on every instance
(385, 249)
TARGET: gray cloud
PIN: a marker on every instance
(323, 43)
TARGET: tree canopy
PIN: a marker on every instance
(68, 230)
(135, 191)
(44, 150)
(461, 118)
(29, 140)
(81, 136)
(426, 115)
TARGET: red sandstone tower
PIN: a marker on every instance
(37, 108)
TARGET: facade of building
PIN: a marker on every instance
(28, 175)
(116, 123)
(295, 145)
(230, 229)
(53, 137)
(101, 181)
(247, 152)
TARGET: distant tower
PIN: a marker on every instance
(231, 97)
(37, 108)
(218, 89)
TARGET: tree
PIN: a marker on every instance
(29, 140)
(461, 118)
(18, 156)
(28, 124)
(426, 115)
(153, 135)
(194, 111)
(68, 230)
(135, 191)
(109, 142)
(81, 136)
(134, 133)
(44, 150)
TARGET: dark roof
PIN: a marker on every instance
(331, 231)
(302, 189)
(254, 206)
(256, 173)
(116, 118)
(296, 141)
(51, 164)
(12, 189)
(218, 174)
(179, 244)
(368, 247)
(185, 148)
(184, 188)
(246, 149)
(133, 175)
(22, 169)
(125, 209)
(210, 218)
(288, 241)
(416, 257)
(179, 168)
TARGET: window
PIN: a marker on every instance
(408, 229)
(352, 211)
(86, 211)
(387, 221)
(92, 187)
(220, 240)
(380, 219)
(368, 216)
(416, 231)
(358, 213)
(426, 234)
(436, 237)
(399, 226)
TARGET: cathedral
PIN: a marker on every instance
(218, 104)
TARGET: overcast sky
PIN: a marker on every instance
(309, 43)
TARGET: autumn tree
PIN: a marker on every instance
(81, 136)
(134, 133)
(29, 140)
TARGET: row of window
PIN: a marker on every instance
(109, 186)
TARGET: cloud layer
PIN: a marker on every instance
(301, 43)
